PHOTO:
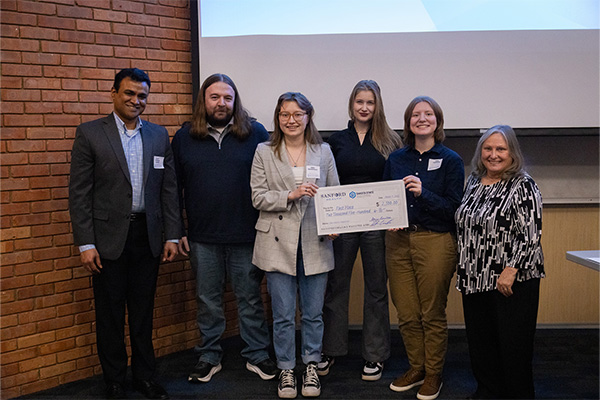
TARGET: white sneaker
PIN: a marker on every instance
(324, 365)
(372, 371)
(311, 386)
(287, 384)
(203, 372)
(266, 369)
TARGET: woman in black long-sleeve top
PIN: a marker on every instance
(499, 226)
(360, 152)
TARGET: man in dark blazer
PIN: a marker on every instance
(123, 202)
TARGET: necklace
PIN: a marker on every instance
(295, 161)
(361, 137)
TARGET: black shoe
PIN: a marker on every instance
(324, 365)
(203, 372)
(372, 371)
(266, 369)
(311, 386)
(287, 385)
(114, 390)
(150, 389)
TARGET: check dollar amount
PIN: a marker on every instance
(361, 207)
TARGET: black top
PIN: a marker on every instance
(356, 163)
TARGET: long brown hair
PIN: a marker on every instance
(438, 135)
(241, 119)
(311, 134)
(384, 139)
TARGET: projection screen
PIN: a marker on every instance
(530, 64)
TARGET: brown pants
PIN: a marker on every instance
(420, 267)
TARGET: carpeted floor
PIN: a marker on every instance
(565, 367)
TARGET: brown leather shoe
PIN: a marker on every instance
(409, 380)
(431, 387)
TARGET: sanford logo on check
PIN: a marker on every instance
(336, 194)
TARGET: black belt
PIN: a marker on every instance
(137, 216)
(416, 228)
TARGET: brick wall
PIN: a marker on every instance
(59, 58)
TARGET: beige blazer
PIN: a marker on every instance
(281, 223)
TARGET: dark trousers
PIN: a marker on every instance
(376, 316)
(500, 332)
(128, 281)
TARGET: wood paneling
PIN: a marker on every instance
(569, 293)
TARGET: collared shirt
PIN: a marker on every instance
(442, 176)
(219, 133)
(131, 140)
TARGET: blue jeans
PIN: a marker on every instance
(283, 289)
(376, 316)
(211, 263)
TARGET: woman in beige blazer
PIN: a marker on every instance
(286, 173)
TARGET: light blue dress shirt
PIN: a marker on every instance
(131, 140)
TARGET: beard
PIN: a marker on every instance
(219, 122)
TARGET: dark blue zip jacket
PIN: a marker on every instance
(214, 185)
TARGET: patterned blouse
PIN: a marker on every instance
(498, 225)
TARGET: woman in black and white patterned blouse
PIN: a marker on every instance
(499, 227)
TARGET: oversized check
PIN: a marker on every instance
(361, 207)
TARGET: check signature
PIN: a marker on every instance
(381, 221)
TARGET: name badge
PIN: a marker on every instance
(434, 164)
(159, 162)
(313, 172)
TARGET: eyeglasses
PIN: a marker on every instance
(285, 116)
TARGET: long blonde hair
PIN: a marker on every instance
(384, 139)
